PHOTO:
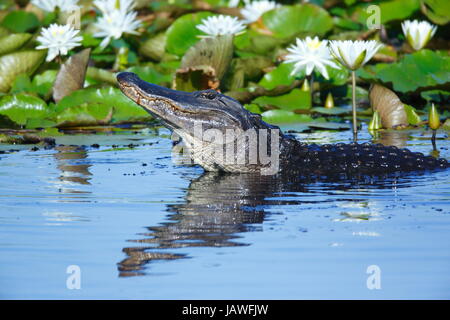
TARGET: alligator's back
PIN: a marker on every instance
(354, 158)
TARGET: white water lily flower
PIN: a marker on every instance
(58, 39)
(255, 9)
(50, 5)
(418, 33)
(354, 54)
(117, 19)
(310, 54)
(221, 25)
(114, 24)
(233, 3)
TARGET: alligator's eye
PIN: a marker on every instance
(208, 94)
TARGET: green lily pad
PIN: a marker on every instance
(20, 21)
(16, 63)
(21, 107)
(289, 21)
(183, 34)
(254, 42)
(294, 100)
(421, 69)
(13, 42)
(389, 10)
(254, 108)
(440, 96)
(437, 10)
(150, 74)
(85, 115)
(281, 75)
(125, 110)
(284, 116)
(332, 111)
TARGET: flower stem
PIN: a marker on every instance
(433, 140)
(355, 124)
(311, 86)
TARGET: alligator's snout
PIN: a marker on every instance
(127, 78)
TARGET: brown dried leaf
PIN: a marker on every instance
(72, 74)
(389, 106)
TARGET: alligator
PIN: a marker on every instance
(200, 118)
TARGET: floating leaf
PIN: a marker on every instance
(331, 111)
(20, 21)
(388, 105)
(71, 75)
(284, 116)
(125, 110)
(389, 10)
(149, 74)
(43, 83)
(436, 10)
(98, 75)
(289, 21)
(294, 100)
(85, 115)
(154, 48)
(16, 63)
(254, 42)
(422, 69)
(183, 34)
(13, 42)
(21, 107)
(440, 96)
(281, 75)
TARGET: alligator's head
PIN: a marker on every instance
(205, 120)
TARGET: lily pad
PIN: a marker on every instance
(389, 10)
(422, 69)
(16, 63)
(85, 115)
(125, 110)
(284, 116)
(150, 74)
(183, 34)
(294, 100)
(332, 111)
(21, 107)
(281, 75)
(20, 21)
(13, 42)
(289, 21)
(411, 113)
(436, 10)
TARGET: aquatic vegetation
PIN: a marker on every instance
(58, 39)
(306, 63)
(418, 33)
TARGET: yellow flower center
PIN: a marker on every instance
(313, 44)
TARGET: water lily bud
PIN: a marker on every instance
(305, 86)
(329, 102)
(433, 118)
(418, 33)
(375, 123)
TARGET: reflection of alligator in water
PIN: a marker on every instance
(216, 113)
(217, 208)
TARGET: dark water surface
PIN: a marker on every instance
(140, 226)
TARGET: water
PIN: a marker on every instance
(140, 226)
